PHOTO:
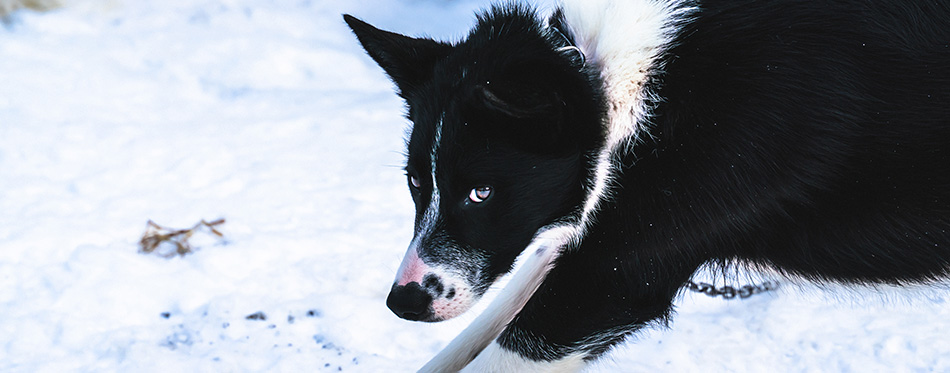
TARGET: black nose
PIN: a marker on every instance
(410, 302)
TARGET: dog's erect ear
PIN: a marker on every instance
(408, 61)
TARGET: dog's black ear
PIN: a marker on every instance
(408, 61)
(521, 102)
(531, 117)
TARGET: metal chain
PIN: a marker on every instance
(729, 292)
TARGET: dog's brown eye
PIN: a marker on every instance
(479, 194)
(414, 182)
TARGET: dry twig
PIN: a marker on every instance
(155, 235)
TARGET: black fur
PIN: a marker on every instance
(812, 137)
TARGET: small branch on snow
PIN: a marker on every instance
(155, 235)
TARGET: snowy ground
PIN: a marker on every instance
(267, 114)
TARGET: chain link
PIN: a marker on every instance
(729, 292)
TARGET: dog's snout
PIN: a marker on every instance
(410, 301)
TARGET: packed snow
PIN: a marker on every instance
(269, 115)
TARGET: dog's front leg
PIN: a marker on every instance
(497, 359)
(591, 300)
(477, 336)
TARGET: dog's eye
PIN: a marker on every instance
(414, 182)
(479, 194)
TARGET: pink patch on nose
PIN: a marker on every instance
(412, 269)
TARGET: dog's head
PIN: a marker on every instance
(504, 123)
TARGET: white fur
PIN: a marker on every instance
(496, 359)
(624, 40)
(434, 154)
(412, 268)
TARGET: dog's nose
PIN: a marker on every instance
(410, 301)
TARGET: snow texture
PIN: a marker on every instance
(269, 115)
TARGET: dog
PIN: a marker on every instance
(623, 144)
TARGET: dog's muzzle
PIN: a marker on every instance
(428, 293)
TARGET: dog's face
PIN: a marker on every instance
(502, 127)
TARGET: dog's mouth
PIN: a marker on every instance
(428, 293)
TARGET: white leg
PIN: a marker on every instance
(496, 359)
(543, 250)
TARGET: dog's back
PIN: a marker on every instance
(812, 136)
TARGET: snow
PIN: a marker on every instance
(269, 115)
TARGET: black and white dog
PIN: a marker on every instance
(625, 143)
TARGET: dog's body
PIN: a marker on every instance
(627, 143)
